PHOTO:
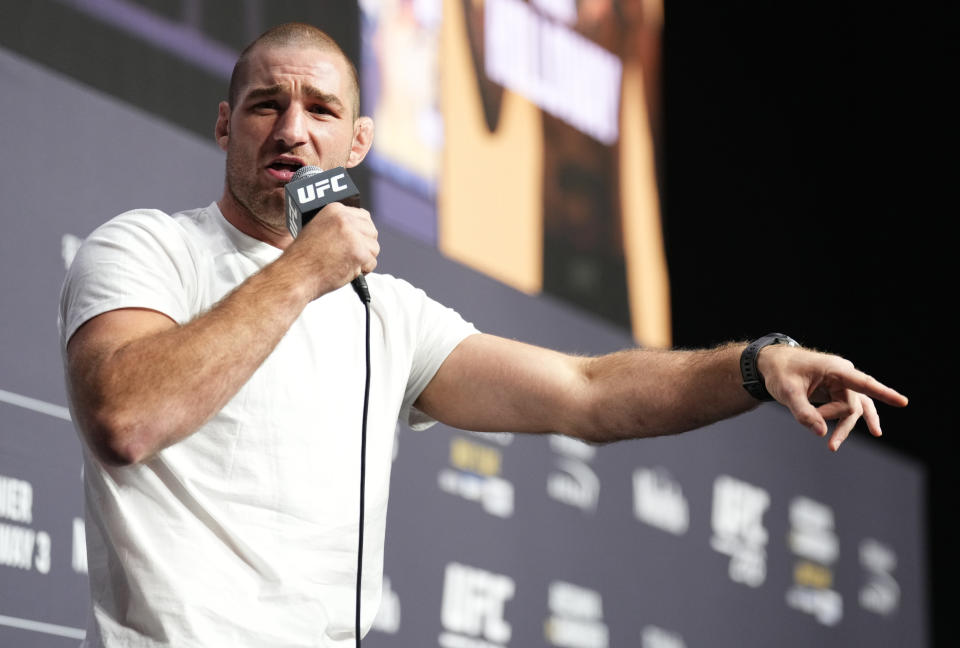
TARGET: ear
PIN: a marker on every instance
(221, 131)
(362, 141)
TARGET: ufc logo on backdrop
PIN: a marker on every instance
(473, 602)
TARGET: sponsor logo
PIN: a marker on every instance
(813, 540)
(576, 619)
(473, 607)
(655, 637)
(388, 616)
(811, 532)
(575, 483)
(309, 193)
(474, 475)
(658, 501)
(824, 604)
(881, 592)
(738, 531)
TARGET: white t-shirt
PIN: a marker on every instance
(245, 533)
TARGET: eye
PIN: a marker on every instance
(267, 105)
(320, 109)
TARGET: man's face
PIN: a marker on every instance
(294, 108)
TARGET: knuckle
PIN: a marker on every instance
(337, 221)
(844, 364)
(332, 208)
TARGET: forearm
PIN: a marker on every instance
(152, 391)
(494, 384)
(644, 393)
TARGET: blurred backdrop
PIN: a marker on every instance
(678, 174)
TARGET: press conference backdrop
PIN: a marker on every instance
(745, 533)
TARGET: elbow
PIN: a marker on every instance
(115, 439)
(599, 414)
(603, 431)
(114, 419)
(591, 434)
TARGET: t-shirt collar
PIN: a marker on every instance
(246, 244)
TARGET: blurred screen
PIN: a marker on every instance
(517, 137)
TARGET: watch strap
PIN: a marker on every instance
(752, 378)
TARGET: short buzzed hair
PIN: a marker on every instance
(288, 34)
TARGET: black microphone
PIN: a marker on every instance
(310, 190)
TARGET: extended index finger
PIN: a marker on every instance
(866, 384)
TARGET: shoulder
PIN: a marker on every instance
(143, 258)
(397, 300)
(151, 222)
(130, 230)
(135, 218)
(138, 242)
(140, 234)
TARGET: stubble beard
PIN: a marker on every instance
(262, 205)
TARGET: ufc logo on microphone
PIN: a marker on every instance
(316, 190)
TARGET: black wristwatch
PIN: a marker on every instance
(752, 378)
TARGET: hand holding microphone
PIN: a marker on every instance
(348, 232)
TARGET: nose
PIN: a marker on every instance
(291, 128)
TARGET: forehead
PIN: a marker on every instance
(323, 69)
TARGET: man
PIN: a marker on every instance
(215, 372)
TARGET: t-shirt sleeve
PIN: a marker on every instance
(438, 330)
(139, 259)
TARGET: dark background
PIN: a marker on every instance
(808, 153)
(805, 161)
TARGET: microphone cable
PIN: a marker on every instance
(360, 286)
(297, 217)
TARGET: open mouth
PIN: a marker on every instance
(283, 169)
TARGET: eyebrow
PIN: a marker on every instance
(309, 90)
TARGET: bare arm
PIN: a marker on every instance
(493, 384)
(139, 382)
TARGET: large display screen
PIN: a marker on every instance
(520, 135)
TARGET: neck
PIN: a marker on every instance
(271, 233)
